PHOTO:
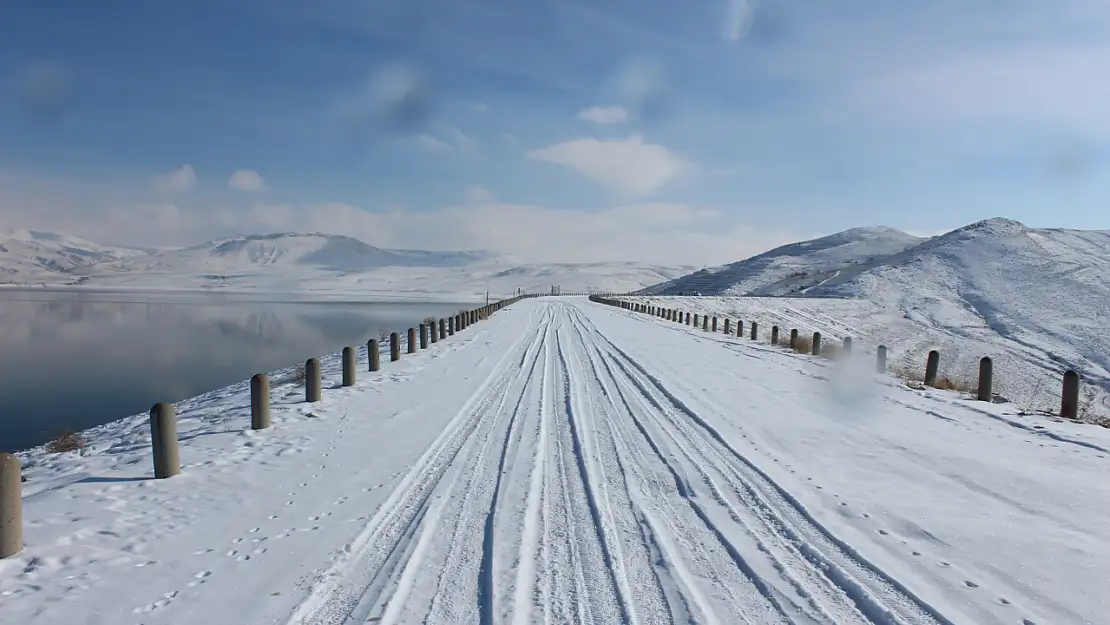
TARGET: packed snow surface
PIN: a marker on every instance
(567, 461)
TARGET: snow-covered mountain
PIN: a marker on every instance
(792, 268)
(307, 262)
(36, 256)
(1037, 301)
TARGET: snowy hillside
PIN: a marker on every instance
(1035, 300)
(311, 262)
(792, 268)
(36, 256)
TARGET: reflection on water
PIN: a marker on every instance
(75, 360)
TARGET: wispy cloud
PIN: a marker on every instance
(630, 165)
(431, 144)
(604, 114)
(246, 180)
(476, 194)
(179, 180)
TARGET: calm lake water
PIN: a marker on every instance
(80, 359)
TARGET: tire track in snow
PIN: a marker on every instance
(535, 518)
(469, 550)
(600, 515)
(359, 570)
(692, 547)
(880, 597)
(640, 589)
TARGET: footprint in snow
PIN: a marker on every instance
(1004, 601)
(884, 532)
(970, 584)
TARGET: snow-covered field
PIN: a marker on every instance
(571, 462)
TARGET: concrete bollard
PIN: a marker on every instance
(774, 335)
(695, 320)
(374, 352)
(880, 360)
(714, 324)
(412, 340)
(816, 351)
(739, 328)
(847, 344)
(755, 331)
(793, 338)
(163, 440)
(313, 389)
(260, 401)
(1069, 400)
(705, 323)
(348, 366)
(423, 336)
(728, 327)
(931, 366)
(986, 372)
(11, 505)
(394, 347)
(442, 329)
(687, 318)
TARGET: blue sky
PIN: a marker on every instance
(661, 130)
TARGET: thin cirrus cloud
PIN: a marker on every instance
(604, 114)
(246, 180)
(630, 165)
(180, 180)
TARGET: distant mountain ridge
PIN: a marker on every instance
(1046, 290)
(293, 261)
(793, 268)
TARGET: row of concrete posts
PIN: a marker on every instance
(1069, 398)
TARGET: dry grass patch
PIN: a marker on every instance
(803, 344)
(945, 383)
(911, 377)
(68, 440)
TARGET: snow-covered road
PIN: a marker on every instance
(567, 462)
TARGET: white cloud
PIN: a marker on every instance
(604, 114)
(479, 195)
(431, 144)
(628, 164)
(246, 180)
(462, 141)
(178, 181)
